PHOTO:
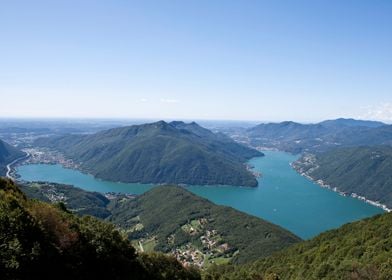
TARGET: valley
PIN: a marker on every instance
(196, 140)
(201, 225)
(283, 196)
(198, 233)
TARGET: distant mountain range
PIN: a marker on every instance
(354, 156)
(296, 138)
(175, 221)
(7, 155)
(366, 171)
(159, 152)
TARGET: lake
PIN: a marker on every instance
(283, 196)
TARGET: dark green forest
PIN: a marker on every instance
(252, 237)
(159, 153)
(359, 250)
(365, 171)
(43, 241)
(39, 238)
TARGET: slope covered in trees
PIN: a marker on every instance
(365, 171)
(37, 234)
(43, 241)
(248, 237)
(360, 250)
(178, 224)
(159, 153)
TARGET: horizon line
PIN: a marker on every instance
(47, 118)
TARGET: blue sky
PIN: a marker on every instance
(203, 59)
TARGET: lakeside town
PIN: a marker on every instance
(48, 156)
(308, 164)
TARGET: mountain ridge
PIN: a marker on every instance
(43, 241)
(159, 152)
(358, 250)
(298, 138)
(234, 236)
(365, 171)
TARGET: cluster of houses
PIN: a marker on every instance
(212, 245)
(189, 256)
(47, 156)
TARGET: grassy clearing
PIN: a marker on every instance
(149, 245)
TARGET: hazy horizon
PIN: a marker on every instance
(151, 120)
(262, 61)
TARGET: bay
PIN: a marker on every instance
(283, 196)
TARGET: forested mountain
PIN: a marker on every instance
(81, 202)
(218, 141)
(360, 250)
(159, 153)
(173, 220)
(184, 218)
(43, 241)
(7, 155)
(366, 171)
(297, 138)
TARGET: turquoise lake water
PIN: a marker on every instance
(283, 196)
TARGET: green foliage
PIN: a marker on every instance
(159, 153)
(42, 241)
(34, 236)
(365, 171)
(80, 201)
(253, 237)
(360, 250)
(157, 264)
(163, 210)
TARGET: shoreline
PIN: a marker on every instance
(77, 168)
(9, 166)
(322, 184)
(54, 157)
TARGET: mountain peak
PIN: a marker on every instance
(157, 153)
(176, 123)
(351, 122)
(160, 123)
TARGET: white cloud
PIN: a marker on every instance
(143, 100)
(168, 100)
(381, 112)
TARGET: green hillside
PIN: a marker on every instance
(7, 155)
(43, 241)
(171, 219)
(360, 250)
(366, 171)
(79, 201)
(159, 153)
(170, 213)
